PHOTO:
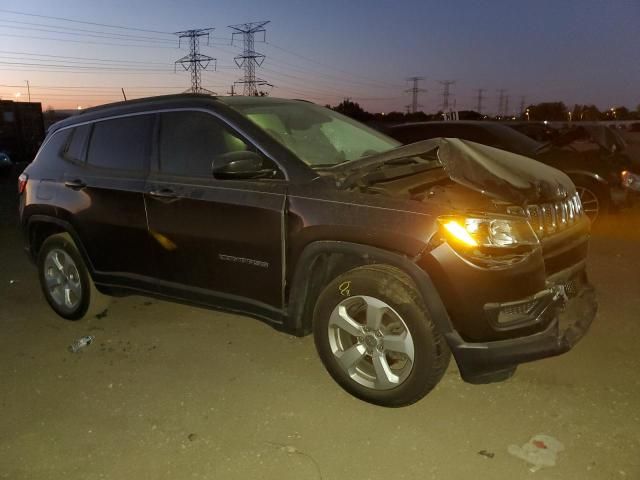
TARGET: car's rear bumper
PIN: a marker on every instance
(484, 362)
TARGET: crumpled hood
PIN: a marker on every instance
(500, 174)
(496, 173)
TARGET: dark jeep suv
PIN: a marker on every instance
(393, 256)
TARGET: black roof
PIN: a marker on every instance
(180, 100)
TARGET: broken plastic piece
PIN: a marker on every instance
(540, 451)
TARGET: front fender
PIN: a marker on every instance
(322, 261)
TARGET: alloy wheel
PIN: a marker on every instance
(371, 342)
(590, 202)
(62, 280)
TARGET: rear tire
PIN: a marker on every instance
(376, 339)
(65, 281)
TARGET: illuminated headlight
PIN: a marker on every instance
(477, 232)
(630, 180)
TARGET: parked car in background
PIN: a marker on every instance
(539, 131)
(6, 164)
(596, 140)
(393, 257)
(598, 180)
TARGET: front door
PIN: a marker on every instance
(215, 241)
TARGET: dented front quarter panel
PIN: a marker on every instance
(319, 212)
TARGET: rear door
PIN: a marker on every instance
(109, 205)
(214, 240)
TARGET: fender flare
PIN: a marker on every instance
(67, 227)
(299, 313)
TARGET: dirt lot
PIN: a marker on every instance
(174, 392)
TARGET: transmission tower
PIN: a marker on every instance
(480, 98)
(522, 104)
(446, 93)
(195, 61)
(250, 59)
(501, 93)
(506, 105)
(414, 90)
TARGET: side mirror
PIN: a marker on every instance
(237, 165)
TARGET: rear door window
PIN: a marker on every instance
(121, 143)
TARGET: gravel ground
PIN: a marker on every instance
(174, 392)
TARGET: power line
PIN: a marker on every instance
(250, 59)
(195, 61)
(83, 64)
(14, 12)
(83, 32)
(92, 87)
(84, 42)
(414, 90)
(95, 68)
(317, 73)
(322, 72)
(341, 91)
(325, 65)
(88, 71)
(108, 60)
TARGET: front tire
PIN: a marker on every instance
(376, 339)
(65, 281)
(594, 198)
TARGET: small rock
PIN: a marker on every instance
(486, 454)
(192, 437)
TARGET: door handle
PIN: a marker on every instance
(163, 193)
(75, 184)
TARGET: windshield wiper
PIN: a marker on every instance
(399, 167)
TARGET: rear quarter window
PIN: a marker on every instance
(54, 147)
(74, 150)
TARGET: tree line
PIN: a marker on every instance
(550, 111)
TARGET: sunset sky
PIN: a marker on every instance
(575, 51)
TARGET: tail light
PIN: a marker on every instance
(22, 182)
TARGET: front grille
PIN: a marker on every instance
(549, 218)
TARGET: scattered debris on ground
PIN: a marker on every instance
(81, 343)
(540, 451)
(486, 454)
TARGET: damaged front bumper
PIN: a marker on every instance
(570, 305)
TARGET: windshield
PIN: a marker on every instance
(318, 136)
(517, 142)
